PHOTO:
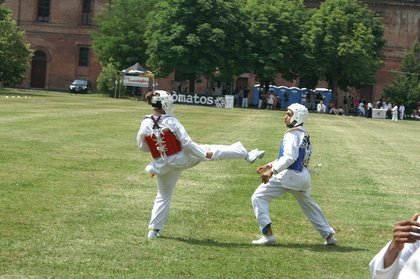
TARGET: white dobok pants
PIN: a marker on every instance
(273, 189)
(166, 182)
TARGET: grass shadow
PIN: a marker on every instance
(300, 246)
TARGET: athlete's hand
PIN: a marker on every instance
(406, 231)
(265, 176)
(262, 169)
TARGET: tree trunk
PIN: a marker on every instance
(191, 86)
(266, 86)
(334, 87)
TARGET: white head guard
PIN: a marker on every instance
(163, 99)
(300, 114)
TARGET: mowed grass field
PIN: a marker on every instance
(75, 201)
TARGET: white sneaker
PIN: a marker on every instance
(254, 154)
(153, 234)
(330, 240)
(265, 239)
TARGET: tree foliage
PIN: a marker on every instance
(345, 40)
(15, 53)
(120, 35)
(405, 88)
(275, 34)
(107, 79)
(340, 42)
(196, 37)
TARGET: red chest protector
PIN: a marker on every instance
(164, 144)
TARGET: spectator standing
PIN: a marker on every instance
(270, 100)
(369, 110)
(356, 102)
(389, 110)
(395, 113)
(245, 93)
(240, 96)
(312, 96)
(346, 103)
(401, 111)
(362, 108)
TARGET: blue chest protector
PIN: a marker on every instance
(303, 157)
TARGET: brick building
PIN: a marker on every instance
(59, 32)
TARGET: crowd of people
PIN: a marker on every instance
(363, 108)
(350, 105)
(354, 106)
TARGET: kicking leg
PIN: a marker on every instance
(233, 151)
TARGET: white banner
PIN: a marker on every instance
(136, 81)
(200, 99)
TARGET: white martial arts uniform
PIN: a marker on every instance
(405, 266)
(401, 111)
(395, 113)
(290, 175)
(168, 168)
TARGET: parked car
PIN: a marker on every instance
(80, 86)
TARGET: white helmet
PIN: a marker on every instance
(163, 99)
(300, 114)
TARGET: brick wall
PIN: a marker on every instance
(60, 39)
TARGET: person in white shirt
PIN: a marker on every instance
(362, 109)
(395, 113)
(401, 111)
(173, 151)
(400, 258)
(321, 108)
(289, 174)
(270, 100)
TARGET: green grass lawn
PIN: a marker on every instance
(75, 201)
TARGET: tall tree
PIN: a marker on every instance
(405, 88)
(15, 53)
(275, 34)
(345, 40)
(196, 37)
(120, 35)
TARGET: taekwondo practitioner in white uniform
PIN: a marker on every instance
(289, 174)
(395, 113)
(173, 151)
(400, 258)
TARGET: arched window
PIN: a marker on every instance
(39, 69)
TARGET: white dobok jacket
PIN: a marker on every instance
(190, 154)
(405, 266)
(290, 169)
